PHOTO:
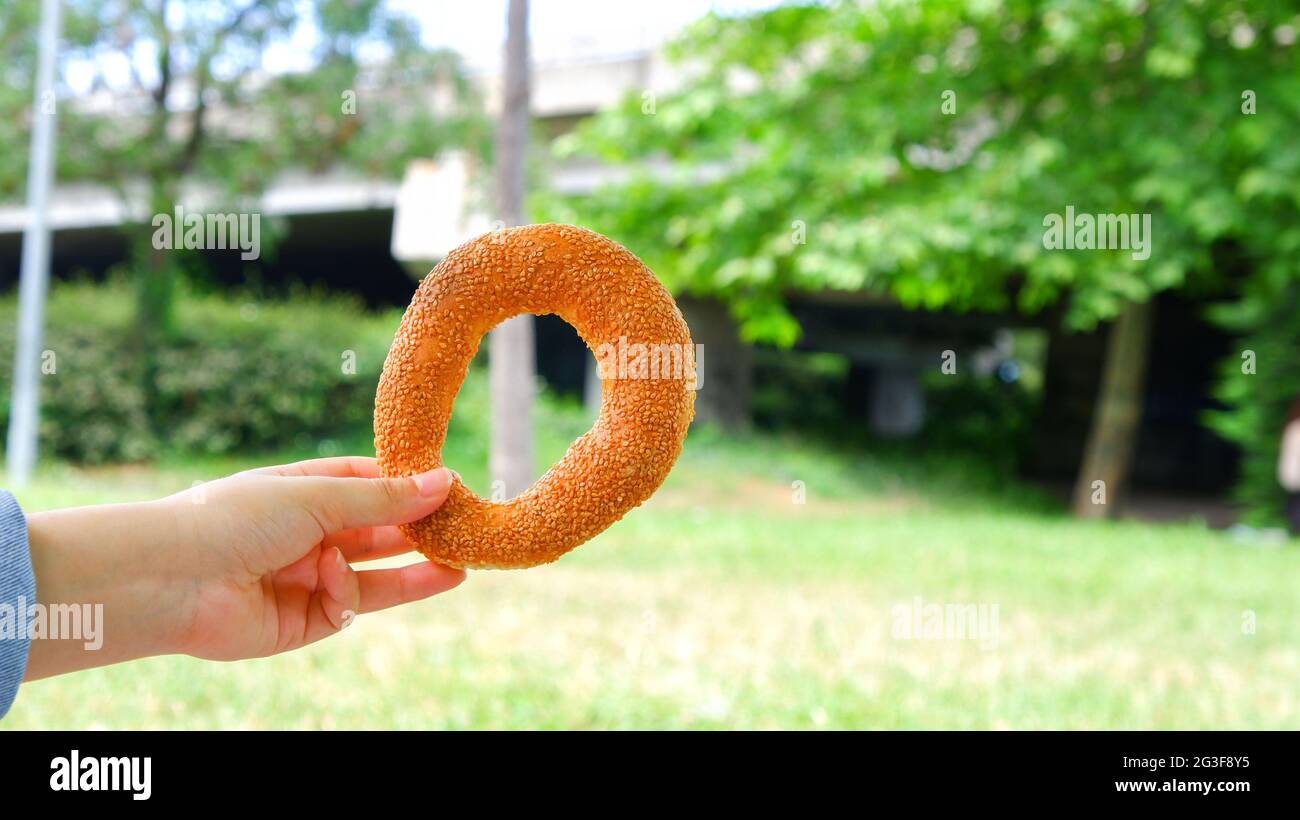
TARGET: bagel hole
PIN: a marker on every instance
(562, 410)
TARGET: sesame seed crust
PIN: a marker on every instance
(608, 295)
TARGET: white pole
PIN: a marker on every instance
(23, 414)
(511, 347)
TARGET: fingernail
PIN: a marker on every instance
(339, 559)
(433, 482)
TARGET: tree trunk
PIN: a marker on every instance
(510, 351)
(1112, 438)
(725, 364)
(154, 273)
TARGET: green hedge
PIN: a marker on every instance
(1268, 321)
(238, 374)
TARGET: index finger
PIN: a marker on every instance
(335, 467)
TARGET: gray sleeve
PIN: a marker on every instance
(17, 593)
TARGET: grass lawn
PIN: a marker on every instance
(722, 603)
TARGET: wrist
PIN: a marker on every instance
(106, 571)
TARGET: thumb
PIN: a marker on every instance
(350, 503)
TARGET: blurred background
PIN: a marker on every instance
(913, 404)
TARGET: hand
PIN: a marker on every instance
(247, 566)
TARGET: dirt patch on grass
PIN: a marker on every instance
(751, 494)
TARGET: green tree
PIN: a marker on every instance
(182, 97)
(917, 149)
